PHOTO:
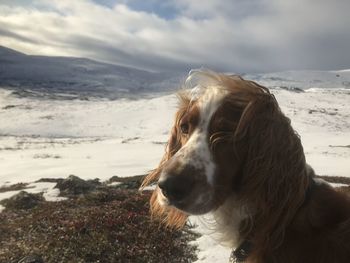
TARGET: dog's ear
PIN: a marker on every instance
(273, 175)
(173, 145)
(170, 216)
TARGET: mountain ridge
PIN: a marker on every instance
(78, 76)
(75, 77)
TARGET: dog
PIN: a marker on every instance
(233, 153)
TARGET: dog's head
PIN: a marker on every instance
(229, 137)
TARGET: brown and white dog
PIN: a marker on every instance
(233, 152)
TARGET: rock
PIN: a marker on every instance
(132, 182)
(49, 180)
(23, 200)
(31, 259)
(293, 89)
(74, 185)
(14, 187)
(8, 107)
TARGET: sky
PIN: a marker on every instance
(241, 36)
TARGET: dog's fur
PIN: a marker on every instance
(234, 153)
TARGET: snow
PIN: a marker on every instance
(50, 138)
(49, 192)
(100, 138)
(209, 247)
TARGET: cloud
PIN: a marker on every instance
(237, 36)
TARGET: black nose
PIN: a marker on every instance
(176, 188)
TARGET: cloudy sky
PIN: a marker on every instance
(176, 35)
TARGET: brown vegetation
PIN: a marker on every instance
(108, 224)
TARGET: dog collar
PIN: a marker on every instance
(240, 254)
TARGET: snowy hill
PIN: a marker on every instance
(69, 77)
(305, 79)
(77, 77)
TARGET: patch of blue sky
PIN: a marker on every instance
(164, 9)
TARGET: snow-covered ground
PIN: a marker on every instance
(42, 138)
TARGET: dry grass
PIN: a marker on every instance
(107, 225)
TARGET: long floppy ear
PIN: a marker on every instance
(170, 216)
(273, 180)
(173, 145)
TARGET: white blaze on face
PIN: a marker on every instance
(196, 152)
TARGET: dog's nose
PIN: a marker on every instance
(176, 188)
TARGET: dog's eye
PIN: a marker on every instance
(185, 128)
